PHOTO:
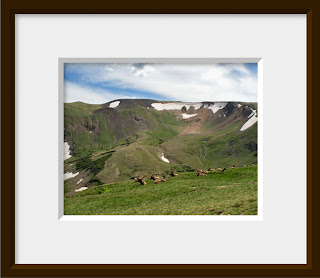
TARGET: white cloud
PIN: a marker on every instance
(206, 82)
(189, 82)
(142, 70)
(74, 92)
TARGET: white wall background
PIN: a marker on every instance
(279, 238)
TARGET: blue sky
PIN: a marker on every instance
(101, 83)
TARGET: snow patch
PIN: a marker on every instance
(81, 189)
(175, 105)
(66, 151)
(253, 119)
(164, 159)
(79, 181)
(216, 106)
(178, 106)
(187, 116)
(70, 175)
(114, 104)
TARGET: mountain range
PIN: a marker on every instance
(114, 141)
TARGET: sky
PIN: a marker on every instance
(103, 82)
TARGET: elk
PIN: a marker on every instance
(205, 172)
(153, 177)
(160, 181)
(200, 171)
(221, 170)
(172, 174)
(141, 181)
(233, 166)
(201, 175)
(211, 170)
(134, 178)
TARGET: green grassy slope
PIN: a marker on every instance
(220, 149)
(232, 192)
(90, 127)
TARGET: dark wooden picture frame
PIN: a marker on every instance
(9, 8)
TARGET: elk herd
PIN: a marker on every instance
(202, 173)
(156, 177)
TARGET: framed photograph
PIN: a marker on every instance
(168, 141)
(160, 137)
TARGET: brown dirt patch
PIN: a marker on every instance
(196, 122)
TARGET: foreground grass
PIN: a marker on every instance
(232, 192)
